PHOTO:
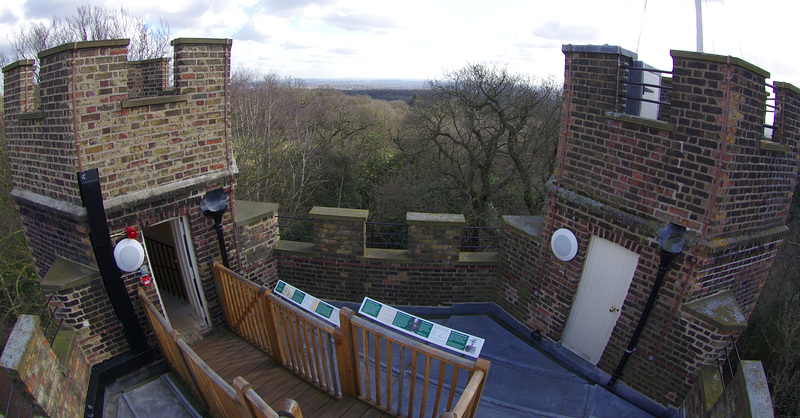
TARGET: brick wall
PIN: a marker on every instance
(148, 78)
(346, 271)
(59, 388)
(157, 155)
(704, 164)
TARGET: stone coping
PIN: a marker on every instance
(743, 239)
(600, 49)
(788, 86)
(638, 120)
(108, 43)
(35, 115)
(528, 225)
(295, 247)
(249, 212)
(66, 274)
(719, 310)
(342, 214)
(769, 145)
(198, 41)
(721, 59)
(417, 218)
(20, 63)
(18, 341)
(151, 101)
(71, 210)
(149, 61)
(385, 255)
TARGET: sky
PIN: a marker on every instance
(423, 39)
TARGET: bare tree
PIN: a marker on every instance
(492, 131)
(92, 23)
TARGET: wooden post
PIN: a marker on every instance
(482, 365)
(240, 385)
(344, 347)
(269, 320)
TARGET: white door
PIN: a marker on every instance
(605, 280)
(188, 266)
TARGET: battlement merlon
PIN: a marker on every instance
(101, 68)
(19, 87)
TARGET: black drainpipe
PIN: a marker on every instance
(671, 240)
(89, 182)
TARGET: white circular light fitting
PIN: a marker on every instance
(564, 244)
(129, 255)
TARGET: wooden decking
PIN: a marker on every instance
(230, 356)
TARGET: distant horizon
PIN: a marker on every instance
(367, 83)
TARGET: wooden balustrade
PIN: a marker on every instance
(422, 379)
(362, 359)
(306, 344)
(215, 394)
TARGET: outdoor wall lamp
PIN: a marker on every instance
(214, 204)
(671, 239)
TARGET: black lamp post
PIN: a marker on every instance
(214, 204)
(671, 239)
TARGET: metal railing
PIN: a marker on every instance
(165, 269)
(481, 239)
(20, 402)
(727, 366)
(390, 236)
(293, 228)
(635, 88)
(50, 334)
(770, 124)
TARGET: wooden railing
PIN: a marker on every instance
(353, 359)
(422, 379)
(217, 396)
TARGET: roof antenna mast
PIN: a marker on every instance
(699, 12)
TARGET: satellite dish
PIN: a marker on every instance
(129, 255)
(564, 244)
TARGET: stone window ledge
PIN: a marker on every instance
(152, 101)
(769, 145)
(295, 247)
(487, 258)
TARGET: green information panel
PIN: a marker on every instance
(371, 308)
(279, 288)
(424, 329)
(428, 331)
(402, 320)
(324, 309)
(457, 340)
(298, 296)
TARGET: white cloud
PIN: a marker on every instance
(422, 38)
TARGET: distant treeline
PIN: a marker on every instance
(387, 94)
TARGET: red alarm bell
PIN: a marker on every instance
(131, 232)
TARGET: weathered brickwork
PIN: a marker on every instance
(347, 272)
(158, 152)
(257, 226)
(59, 388)
(148, 78)
(705, 164)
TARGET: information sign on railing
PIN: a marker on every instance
(420, 328)
(309, 303)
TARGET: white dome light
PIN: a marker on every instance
(129, 255)
(564, 244)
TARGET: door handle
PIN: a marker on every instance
(613, 309)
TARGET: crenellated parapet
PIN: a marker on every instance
(97, 110)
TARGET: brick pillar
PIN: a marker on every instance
(593, 76)
(435, 237)
(257, 225)
(19, 88)
(339, 233)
